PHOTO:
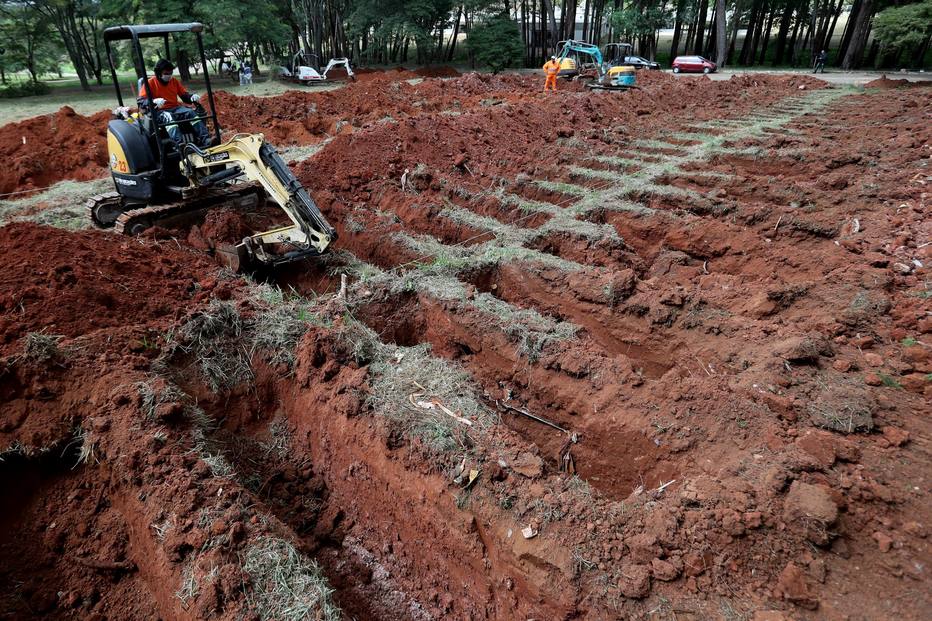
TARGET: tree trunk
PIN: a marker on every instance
(758, 31)
(535, 35)
(825, 13)
(597, 21)
(782, 33)
(767, 30)
(181, 59)
(921, 52)
(456, 34)
(700, 26)
(690, 34)
(733, 37)
(813, 31)
(677, 28)
(849, 28)
(749, 34)
(61, 19)
(720, 41)
(799, 36)
(859, 35)
(831, 30)
(552, 32)
(81, 37)
(873, 58)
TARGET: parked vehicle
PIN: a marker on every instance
(639, 62)
(692, 64)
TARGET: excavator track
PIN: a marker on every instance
(104, 209)
(135, 221)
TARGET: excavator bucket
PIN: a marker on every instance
(235, 257)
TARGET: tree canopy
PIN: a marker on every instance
(496, 43)
(43, 36)
(905, 28)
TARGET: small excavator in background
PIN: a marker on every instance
(163, 182)
(303, 71)
(614, 74)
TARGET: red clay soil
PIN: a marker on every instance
(300, 117)
(294, 118)
(885, 82)
(469, 148)
(442, 71)
(749, 382)
(73, 284)
(40, 151)
(773, 267)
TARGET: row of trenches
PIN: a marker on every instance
(556, 386)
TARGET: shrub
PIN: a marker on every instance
(496, 43)
(24, 89)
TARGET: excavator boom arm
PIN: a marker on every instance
(249, 156)
(584, 48)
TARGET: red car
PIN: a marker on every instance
(696, 64)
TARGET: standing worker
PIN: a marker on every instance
(821, 57)
(551, 69)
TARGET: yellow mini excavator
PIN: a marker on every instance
(164, 176)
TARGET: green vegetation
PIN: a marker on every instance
(63, 204)
(212, 338)
(404, 371)
(45, 38)
(276, 330)
(905, 31)
(496, 43)
(889, 382)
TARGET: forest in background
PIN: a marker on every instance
(48, 37)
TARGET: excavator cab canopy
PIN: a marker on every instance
(617, 54)
(135, 34)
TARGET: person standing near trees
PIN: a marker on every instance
(820, 59)
(551, 70)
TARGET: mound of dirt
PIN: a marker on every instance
(70, 284)
(219, 226)
(441, 71)
(885, 82)
(398, 73)
(511, 105)
(40, 151)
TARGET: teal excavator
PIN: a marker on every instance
(612, 75)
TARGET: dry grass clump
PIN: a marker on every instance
(286, 586)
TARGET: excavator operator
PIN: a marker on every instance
(168, 94)
(551, 69)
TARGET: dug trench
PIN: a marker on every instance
(153, 493)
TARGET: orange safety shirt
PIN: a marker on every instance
(170, 92)
(552, 67)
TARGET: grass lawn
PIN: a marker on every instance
(67, 92)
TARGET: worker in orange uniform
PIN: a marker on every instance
(551, 69)
(168, 95)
